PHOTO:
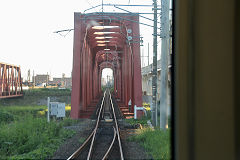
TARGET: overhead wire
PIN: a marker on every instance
(90, 5)
(133, 13)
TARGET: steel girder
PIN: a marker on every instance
(104, 41)
(10, 81)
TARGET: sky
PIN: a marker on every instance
(27, 38)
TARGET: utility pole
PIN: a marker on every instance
(29, 77)
(164, 34)
(107, 81)
(142, 58)
(154, 71)
(47, 79)
(148, 54)
(33, 79)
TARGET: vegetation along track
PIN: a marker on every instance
(104, 142)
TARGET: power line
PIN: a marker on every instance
(131, 12)
(126, 5)
(65, 30)
(90, 4)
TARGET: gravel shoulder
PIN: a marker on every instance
(131, 150)
(83, 129)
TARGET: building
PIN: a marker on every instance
(147, 78)
(57, 81)
(67, 82)
(147, 83)
(41, 78)
(62, 82)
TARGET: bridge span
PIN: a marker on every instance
(10, 81)
(105, 40)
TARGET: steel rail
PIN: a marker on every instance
(110, 148)
(77, 152)
(116, 125)
(95, 130)
(91, 138)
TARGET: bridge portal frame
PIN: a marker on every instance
(86, 75)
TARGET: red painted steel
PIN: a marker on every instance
(10, 81)
(105, 40)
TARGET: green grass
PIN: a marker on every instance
(142, 121)
(24, 130)
(68, 121)
(23, 110)
(48, 92)
(6, 117)
(156, 142)
(26, 134)
(15, 113)
(31, 138)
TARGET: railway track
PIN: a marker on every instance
(104, 142)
